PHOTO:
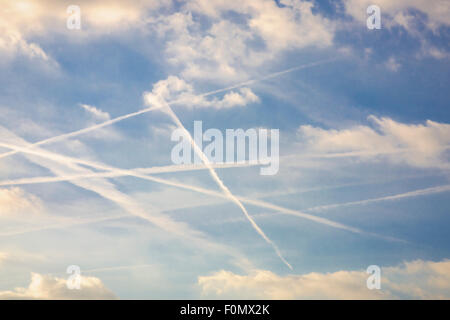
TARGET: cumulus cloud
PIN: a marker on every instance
(15, 201)
(218, 49)
(419, 145)
(176, 89)
(45, 287)
(410, 280)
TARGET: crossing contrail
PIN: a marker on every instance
(149, 213)
(259, 203)
(181, 100)
(219, 182)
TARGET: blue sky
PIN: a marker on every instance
(364, 138)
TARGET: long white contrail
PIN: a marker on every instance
(259, 203)
(415, 193)
(181, 100)
(219, 182)
(112, 174)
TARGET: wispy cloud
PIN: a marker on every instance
(16, 201)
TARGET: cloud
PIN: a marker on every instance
(46, 16)
(97, 113)
(22, 20)
(174, 88)
(98, 116)
(417, 17)
(418, 145)
(44, 287)
(410, 280)
(225, 46)
(15, 201)
(13, 43)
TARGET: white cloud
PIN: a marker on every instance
(403, 13)
(12, 43)
(109, 133)
(419, 145)
(174, 88)
(45, 16)
(16, 201)
(44, 287)
(21, 20)
(410, 280)
(222, 46)
(97, 113)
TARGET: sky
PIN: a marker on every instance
(87, 178)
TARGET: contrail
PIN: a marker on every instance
(219, 182)
(63, 225)
(111, 174)
(415, 193)
(133, 114)
(259, 203)
(81, 131)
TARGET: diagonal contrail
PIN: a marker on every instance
(414, 193)
(181, 100)
(219, 182)
(259, 203)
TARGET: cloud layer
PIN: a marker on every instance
(411, 280)
(44, 287)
